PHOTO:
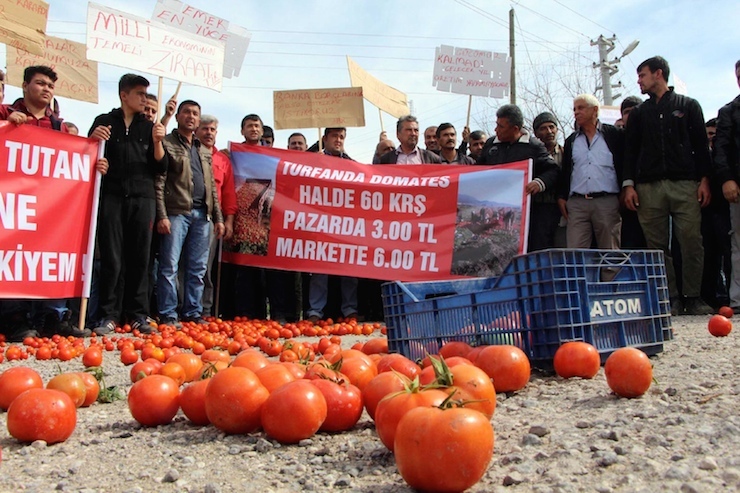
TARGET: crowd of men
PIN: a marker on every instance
(660, 178)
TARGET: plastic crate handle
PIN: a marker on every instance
(615, 259)
(406, 291)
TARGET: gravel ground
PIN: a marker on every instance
(554, 435)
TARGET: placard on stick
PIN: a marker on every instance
(472, 72)
(182, 16)
(385, 97)
(315, 108)
(24, 24)
(128, 41)
(78, 76)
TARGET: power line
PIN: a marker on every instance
(548, 19)
(583, 16)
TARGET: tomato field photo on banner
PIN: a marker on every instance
(316, 213)
(48, 204)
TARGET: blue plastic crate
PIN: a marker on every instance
(608, 298)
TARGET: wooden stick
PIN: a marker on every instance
(380, 113)
(83, 312)
(217, 287)
(470, 103)
(320, 143)
(177, 91)
(159, 98)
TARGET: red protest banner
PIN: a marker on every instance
(316, 213)
(47, 189)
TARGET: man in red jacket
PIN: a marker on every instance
(223, 175)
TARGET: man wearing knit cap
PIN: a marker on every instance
(545, 128)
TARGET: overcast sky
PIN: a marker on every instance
(303, 44)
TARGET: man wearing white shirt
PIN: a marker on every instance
(588, 187)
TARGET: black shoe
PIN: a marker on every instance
(197, 320)
(676, 307)
(105, 327)
(64, 326)
(18, 328)
(696, 306)
(143, 325)
(171, 322)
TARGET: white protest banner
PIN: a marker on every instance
(128, 41)
(24, 24)
(388, 99)
(473, 72)
(78, 76)
(182, 16)
(315, 108)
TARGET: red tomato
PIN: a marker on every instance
(508, 366)
(42, 414)
(193, 402)
(72, 385)
(358, 371)
(173, 371)
(382, 385)
(377, 345)
(719, 326)
(474, 385)
(726, 311)
(15, 381)
(154, 400)
(393, 407)
(629, 372)
(343, 404)
(251, 359)
(443, 449)
(92, 388)
(140, 370)
(399, 363)
(93, 356)
(455, 348)
(189, 362)
(275, 376)
(294, 412)
(129, 356)
(234, 400)
(577, 359)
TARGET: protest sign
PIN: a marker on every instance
(128, 41)
(317, 108)
(78, 76)
(24, 24)
(609, 114)
(311, 212)
(472, 72)
(388, 99)
(182, 16)
(48, 191)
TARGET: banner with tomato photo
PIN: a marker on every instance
(48, 209)
(310, 212)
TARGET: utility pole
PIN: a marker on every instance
(609, 68)
(512, 53)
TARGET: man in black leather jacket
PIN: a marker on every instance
(127, 206)
(512, 144)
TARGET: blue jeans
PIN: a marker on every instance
(319, 291)
(189, 235)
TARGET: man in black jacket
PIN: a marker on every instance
(512, 144)
(409, 152)
(589, 182)
(666, 176)
(727, 170)
(127, 206)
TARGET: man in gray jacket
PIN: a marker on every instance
(187, 206)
